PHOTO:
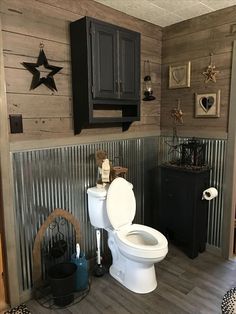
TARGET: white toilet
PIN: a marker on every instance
(135, 248)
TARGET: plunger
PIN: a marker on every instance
(99, 269)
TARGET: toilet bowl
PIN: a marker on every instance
(135, 248)
(141, 243)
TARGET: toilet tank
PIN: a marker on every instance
(97, 207)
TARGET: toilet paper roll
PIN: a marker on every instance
(209, 194)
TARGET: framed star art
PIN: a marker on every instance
(38, 69)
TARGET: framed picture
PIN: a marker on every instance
(179, 75)
(207, 105)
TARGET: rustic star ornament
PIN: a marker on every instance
(38, 76)
(173, 148)
(210, 73)
(177, 114)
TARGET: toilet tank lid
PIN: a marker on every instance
(97, 192)
(121, 204)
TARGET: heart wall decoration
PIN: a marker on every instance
(207, 102)
(207, 105)
(179, 75)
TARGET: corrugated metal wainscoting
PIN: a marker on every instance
(58, 178)
(215, 158)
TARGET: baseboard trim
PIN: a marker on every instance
(26, 296)
(213, 250)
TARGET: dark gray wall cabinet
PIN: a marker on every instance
(105, 73)
(183, 214)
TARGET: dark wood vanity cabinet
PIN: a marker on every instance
(105, 73)
(183, 214)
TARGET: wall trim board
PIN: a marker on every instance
(7, 189)
(230, 173)
(76, 140)
(196, 133)
(3, 304)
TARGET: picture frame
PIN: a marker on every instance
(207, 105)
(179, 75)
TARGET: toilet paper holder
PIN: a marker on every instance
(209, 194)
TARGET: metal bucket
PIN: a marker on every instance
(62, 281)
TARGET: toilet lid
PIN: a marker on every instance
(121, 205)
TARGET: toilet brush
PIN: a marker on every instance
(77, 250)
(99, 269)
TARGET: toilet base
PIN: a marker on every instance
(137, 277)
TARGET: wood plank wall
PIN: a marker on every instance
(48, 114)
(193, 40)
(2, 286)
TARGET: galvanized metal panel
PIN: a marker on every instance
(58, 178)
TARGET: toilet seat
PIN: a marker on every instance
(121, 204)
(133, 239)
(142, 241)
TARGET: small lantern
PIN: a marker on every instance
(148, 92)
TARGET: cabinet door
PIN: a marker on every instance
(129, 65)
(177, 205)
(104, 61)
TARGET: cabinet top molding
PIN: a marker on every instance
(94, 20)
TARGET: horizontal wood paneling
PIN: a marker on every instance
(15, 52)
(199, 43)
(34, 19)
(97, 10)
(45, 106)
(207, 21)
(193, 41)
(18, 81)
(48, 114)
(151, 49)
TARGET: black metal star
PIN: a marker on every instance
(174, 148)
(46, 80)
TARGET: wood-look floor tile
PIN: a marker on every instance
(185, 286)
